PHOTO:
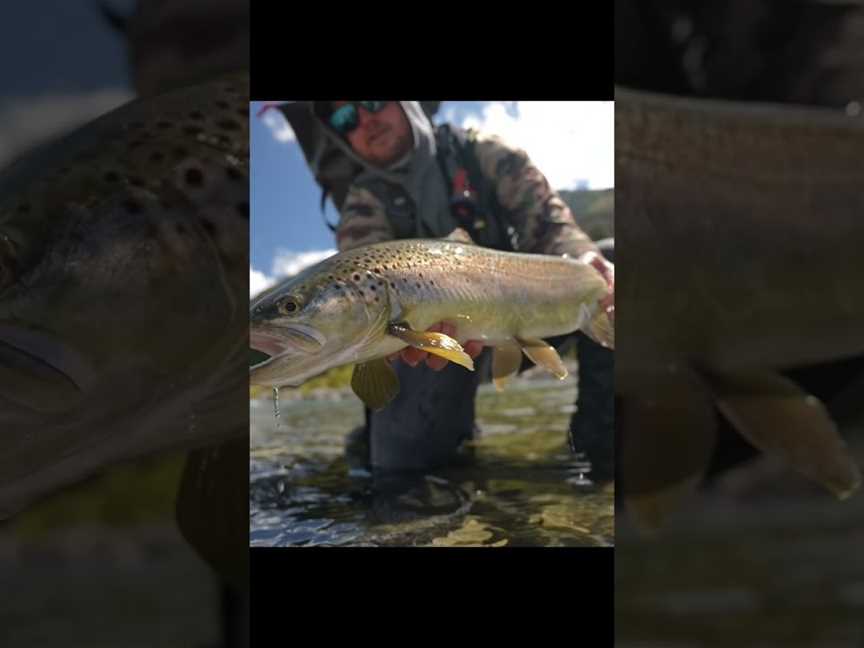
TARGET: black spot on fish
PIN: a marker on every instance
(194, 177)
(372, 288)
(362, 294)
(356, 277)
(151, 230)
(133, 206)
(209, 226)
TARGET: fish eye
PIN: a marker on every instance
(288, 305)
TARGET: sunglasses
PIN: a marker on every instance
(345, 118)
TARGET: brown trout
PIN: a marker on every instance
(365, 304)
(123, 283)
(742, 240)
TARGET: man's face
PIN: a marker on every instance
(380, 138)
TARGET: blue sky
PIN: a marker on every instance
(61, 65)
(571, 142)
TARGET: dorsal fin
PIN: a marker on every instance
(459, 235)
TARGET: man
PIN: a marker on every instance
(414, 182)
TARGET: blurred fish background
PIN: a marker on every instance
(102, 562)
(738, 548)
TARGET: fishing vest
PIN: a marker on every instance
(473, 203)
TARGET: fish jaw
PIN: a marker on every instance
(40, 372)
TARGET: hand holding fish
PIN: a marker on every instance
(413, 356)
(607, 270)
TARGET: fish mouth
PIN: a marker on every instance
(39, 371)
(271, 345)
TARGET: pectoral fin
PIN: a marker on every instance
(506, 360)
(777, 417)
(375, 383)
(543, 355)
(435, 343)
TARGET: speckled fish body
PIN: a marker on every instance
(340, 311)
(123, 261)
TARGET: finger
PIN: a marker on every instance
(473, 348)
(436, 363)
(412, 356)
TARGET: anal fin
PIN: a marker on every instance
(543, 355)
(777, 417)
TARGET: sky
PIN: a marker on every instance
(61, 65)
(570, 142)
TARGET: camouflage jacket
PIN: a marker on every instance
(542, 221)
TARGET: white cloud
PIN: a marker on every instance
(258, 281)
(289, 263)
(286, 264)
(26, 122)
(278, 125)
(571, 142)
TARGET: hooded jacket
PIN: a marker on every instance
(411, 198)
(413, 189)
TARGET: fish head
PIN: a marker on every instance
(123, 253)
(320, 319)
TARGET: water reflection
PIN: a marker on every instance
(518, 485)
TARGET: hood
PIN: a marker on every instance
(335, 164)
